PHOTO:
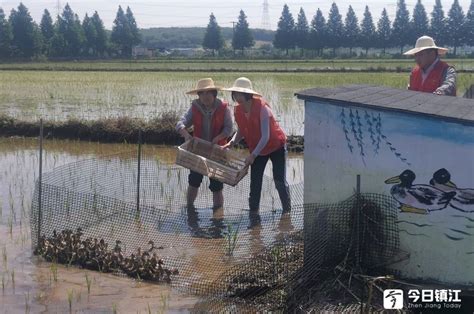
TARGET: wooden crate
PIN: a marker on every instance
(210, 160)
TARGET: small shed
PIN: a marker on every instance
(416, 148)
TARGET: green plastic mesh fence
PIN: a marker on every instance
(315, 257)
(327, 267)
(99, 196)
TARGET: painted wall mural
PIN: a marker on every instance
(425, 164)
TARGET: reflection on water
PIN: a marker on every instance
(216, 228)
(31, 284)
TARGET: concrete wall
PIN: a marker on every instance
(436, 224)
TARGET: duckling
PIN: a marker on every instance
(418, 198)
(117, 247)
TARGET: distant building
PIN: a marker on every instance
(143, 52)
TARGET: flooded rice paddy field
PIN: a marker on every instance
(92, 95)
(30, 284)
(58, 95)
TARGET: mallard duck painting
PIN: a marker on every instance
(417, 198)
(464, 198)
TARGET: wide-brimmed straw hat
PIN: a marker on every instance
(242, 85)
(204, 85)
(423, 43)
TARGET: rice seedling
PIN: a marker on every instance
(88, 283)
(70, 297)
(230, 236)
(13, 278)
(54, 271)
(148, 308)
(27, 302)
(4, 256)
(10, 227)
(114, 308)
(164, 303)
(3, 283)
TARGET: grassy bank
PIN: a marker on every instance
(160, 130)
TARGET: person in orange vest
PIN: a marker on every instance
(265, 140)
(431, 75)
(212, 121)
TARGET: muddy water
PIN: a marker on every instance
(31, 285)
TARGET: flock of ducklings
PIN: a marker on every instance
(66, 247)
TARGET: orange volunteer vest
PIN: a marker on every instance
(250, 128)
(217, 122)
(432, 82)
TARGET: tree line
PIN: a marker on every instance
(455, 29)
(67, 37)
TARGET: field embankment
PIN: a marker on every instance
(253, 66)
(160, 130)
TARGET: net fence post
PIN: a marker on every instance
(40, 178)
(358, 247)
(139, 159)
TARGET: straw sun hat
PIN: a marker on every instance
(423, 43)
(243, 85)
(204, 85)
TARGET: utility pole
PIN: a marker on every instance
(265, 16)
(233, 34)
(58, 7)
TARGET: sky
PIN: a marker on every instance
(168, 13)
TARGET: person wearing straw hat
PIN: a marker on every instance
(265, 140)
(431, 75)
(212, 121)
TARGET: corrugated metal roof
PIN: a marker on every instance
(387, 98)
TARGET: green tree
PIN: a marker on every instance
(90, 35)
(420, 21)
(438, 26)
(384, 31)
(318, 32)
(213, 38)
(101, 43)
(285, 34)
(455, 25)
(367, 31)
(351, 30)
(401, 32)
(335, 29)
(125, 32)
(6, 36)
(47, 30)
(242, 37)
(469, 25)
(26, 41)
(71, 34)
(134, 31)
(302, 31)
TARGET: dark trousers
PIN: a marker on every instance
(257, 169)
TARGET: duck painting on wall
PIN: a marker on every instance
(417, 198)
(423, 198)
